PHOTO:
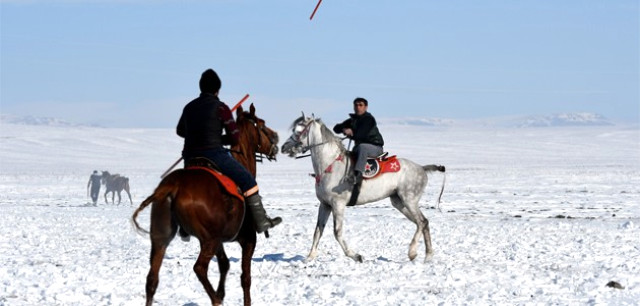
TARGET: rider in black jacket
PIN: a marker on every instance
(201, 126)
(363, 129)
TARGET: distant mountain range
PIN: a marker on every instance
(556, 120)
(570, 119)
(32, 120)
(417, 121)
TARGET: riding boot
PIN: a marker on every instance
(356, 189)
(262, 221)
(353, 178)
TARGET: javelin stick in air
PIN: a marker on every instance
(314, 10)
(180, 159)
(240, 103)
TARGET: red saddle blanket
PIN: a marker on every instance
(228, 184)
(377, 166)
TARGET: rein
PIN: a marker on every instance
(296, 138)
(316, 145)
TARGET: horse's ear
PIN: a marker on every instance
(303, 117)
(252, 110)
(239, 111)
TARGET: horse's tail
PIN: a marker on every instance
(433, 168)
(164, 190)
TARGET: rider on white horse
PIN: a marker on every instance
(330, 162)
(362, 128)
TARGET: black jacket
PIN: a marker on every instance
(365, 129)
(203, 121)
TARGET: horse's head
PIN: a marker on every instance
(300, 139)
(105, 175)
(256, 131)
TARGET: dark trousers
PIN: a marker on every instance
(228, 165)
(364, 151)
(95, 190)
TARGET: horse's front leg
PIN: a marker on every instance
(129, 194)
(338, 218)
(119, 198)
(248, 247)
(323, 216)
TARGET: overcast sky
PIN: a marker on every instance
(120, 63)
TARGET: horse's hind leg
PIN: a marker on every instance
(223, 266)
(158, 249)
(323, 216)
(163, 229)
(208, 248)
(413, 213)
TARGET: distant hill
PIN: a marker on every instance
(32, 120)
(566, 119)
(555, 120)
(416, 121)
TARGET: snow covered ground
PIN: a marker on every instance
(529, 216)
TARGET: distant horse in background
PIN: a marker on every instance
(195, 201)
(331, 162)
(115, 183)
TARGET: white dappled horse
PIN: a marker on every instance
(331, 163)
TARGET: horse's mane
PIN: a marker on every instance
(324, 131)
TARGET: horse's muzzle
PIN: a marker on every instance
(274, 151)
(290, 147)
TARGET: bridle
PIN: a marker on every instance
(295, 137)
(262, 129)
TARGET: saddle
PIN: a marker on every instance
(208, 165)
(374, 167)
(380, 164)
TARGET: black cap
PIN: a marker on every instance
(363, 100)
(210, 82)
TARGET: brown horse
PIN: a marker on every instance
(115, 183)
(194, 200)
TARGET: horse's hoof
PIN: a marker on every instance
(358, 258)
(309, 258)
(428, 258)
